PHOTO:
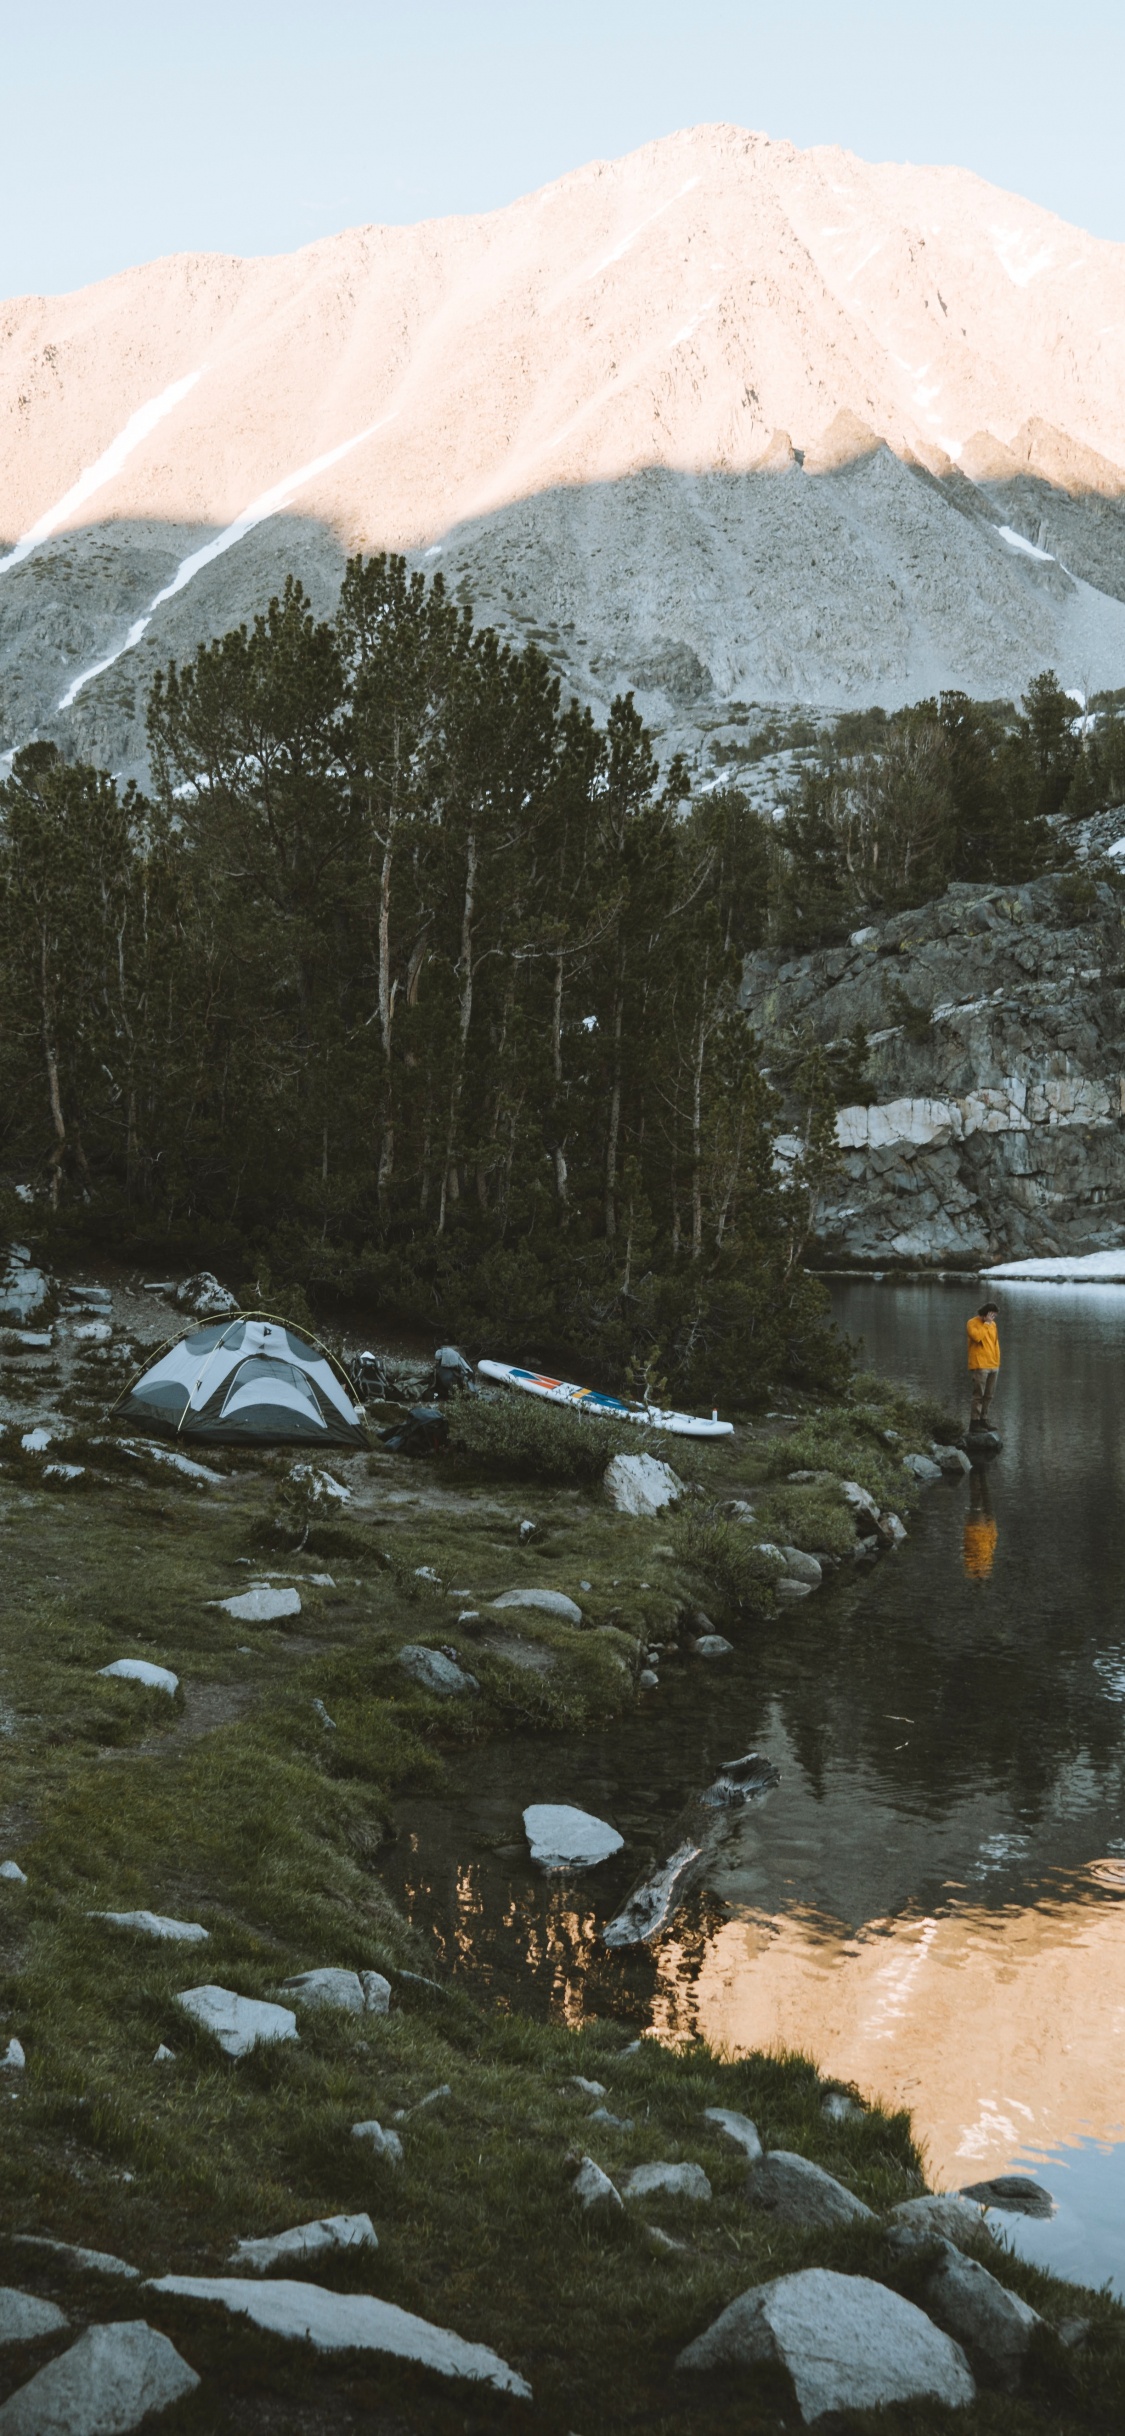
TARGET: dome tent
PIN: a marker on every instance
(248, 1380)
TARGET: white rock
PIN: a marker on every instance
(923, 1468)
(376, 1992)
(23, 2319)
(837, 2107)
(322, 1488)
(349, 2321)
(141, 1670)
(336, 1991)
(154, 1924)
(648, 1680)
(239, 2023)
(803, 1568)
(13, 1873)
(164, 2055)
(564, 1838)
(895, 1528)
(36, 1441)
(712, 1645)
(13, 2058)
(641, 1484)
(107, 2382)
(86, 2262)
(261, 1605)
(792, 1591)
(145, 1452)
(585, 2088)
(980, 2311)
(798, 2192)
(549, 1602)
(434, 1672)
(306, 2241)
(848, 2344)
(92, 1332)
(672, 2181)
(860, 1500)
(385, 2143)
(340, 1991)
(205, 1296)
(593, 2188)
(938, 2216)
(64, 1471)
(737, 2127)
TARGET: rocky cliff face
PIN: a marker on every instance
(995, 1127)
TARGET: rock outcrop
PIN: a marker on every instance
(995, 1021)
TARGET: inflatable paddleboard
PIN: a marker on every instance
(589, 1400)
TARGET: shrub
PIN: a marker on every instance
(518, 1437)
(725, 1556)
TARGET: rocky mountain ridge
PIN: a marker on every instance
(724, 422)
(995, 1035)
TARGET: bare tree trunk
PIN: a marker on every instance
(50, 1055)
(613, 1134)
(450, 1185)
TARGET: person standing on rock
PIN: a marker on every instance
(984, 1360)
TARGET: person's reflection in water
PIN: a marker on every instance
(981, 1534)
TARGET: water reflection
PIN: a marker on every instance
(930, 1903)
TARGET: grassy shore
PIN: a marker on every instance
(237, 1805)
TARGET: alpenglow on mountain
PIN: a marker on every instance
(724, 422)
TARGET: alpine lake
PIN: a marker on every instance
(930, 1901)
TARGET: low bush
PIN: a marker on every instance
(724, 1556)
(812, 1518)
(518, 1437)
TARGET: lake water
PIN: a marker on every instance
(931, 1901)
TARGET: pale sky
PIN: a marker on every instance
(133, 128)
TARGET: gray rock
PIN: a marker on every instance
(1013, 2194)
(895, 1529)
(837, 2107)
(648, 1680)
(803, 1568)
(641, 1484)
(84, 2262)
(328, 1990)
(593, 2188)
(847, 2343)
(923, 1468)
(142, 1670)
(798, 2192)
(712, 1645)
(994, 2325)
(104, 2385)
(562, 1837)
(24, 2319)
(13, 1873)
(951, 1458)
(662, 2244)
(13, 2058)
(239, 2023)
(156, 1924)
(376, 1992)
(737, 2127)
(939, 2216)
(385, 2143)
(549, 1603)
(306, 2241)
(585, 2088)
(346, 2321)
(23, 1289)
(261, 1604)
(435, 1672)
(601, 2114)
(671, 2181)
(860, 1500)
(791, 1591)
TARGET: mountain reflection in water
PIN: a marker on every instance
(930, 1902)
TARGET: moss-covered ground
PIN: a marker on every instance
(238, 1804)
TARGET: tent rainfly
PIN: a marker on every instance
(246, 1380)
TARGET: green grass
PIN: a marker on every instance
(236, 1806)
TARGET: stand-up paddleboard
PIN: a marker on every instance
(588, 1400)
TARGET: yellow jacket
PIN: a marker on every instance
(984, 1344)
